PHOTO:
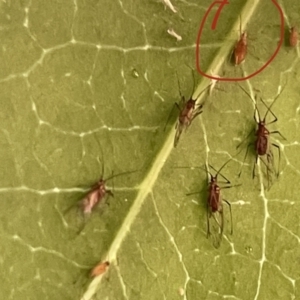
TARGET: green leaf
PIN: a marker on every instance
(88, 86)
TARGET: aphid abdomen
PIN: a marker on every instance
(261, 145)
(99, 269)
(240, 50)
(90, 201)
(186, 115)
(293, 37)
(214, 198)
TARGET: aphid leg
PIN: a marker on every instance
(240, 173)
(254, 166)
(246, 138)
(278, 132)
(279, 158)
(220, 224)
(208, 225)
(197, 112)
(178, 133)
(110, 193)
(270, 162)
(228, 203)
(170, 114)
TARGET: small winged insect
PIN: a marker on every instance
(188, 111)
(99, 269)
(293, 38)
(262, 144)
(93, 199)
(240, 48)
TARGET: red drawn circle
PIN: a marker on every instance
(221, 4)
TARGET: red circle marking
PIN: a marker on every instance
(213, 27)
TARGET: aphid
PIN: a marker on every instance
(293, 36)
(188, 111)
(240, 48)
(262, 144)
(97, 194)
(99, 269)
(215, 205)
(88, 204)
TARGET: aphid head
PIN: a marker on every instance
(190, 104)
(101, 182)
(213, 179)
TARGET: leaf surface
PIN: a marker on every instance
(88, 86)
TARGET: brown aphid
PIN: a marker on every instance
(100, 269)
(187, 114)
(240, 48)
(293, 36)
(262, 144)
(188, 111)
(215, 204)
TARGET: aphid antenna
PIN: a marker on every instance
(102, 159)
(179, 88)
(120, 174)
(218, 172)
(207, 87)
(194, 84)
(175, 104)
(170, 114)
(255, 103)
(269, 107)
(247, 93)
(194, 81)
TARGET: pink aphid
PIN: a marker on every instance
(95, 196)
(240, 49)
(99, 269)
(293, 36)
